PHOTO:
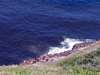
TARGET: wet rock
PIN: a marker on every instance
(53, 57)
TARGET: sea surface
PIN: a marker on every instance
(30, 28)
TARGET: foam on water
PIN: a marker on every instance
(67, 45)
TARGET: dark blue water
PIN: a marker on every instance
(29, 27)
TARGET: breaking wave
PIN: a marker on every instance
(67, 45)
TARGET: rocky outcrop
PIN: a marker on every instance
(81, 45)
(53, 57)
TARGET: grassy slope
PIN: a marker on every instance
(83, 62)
(88, 64)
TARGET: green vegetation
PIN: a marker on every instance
(14, 71)
(88, 64)
(85, 65)
(33, 70)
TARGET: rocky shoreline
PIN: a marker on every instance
(54, 57)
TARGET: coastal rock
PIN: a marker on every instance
(52, 57)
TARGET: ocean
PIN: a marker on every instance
(31, 28)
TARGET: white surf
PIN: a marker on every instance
(67, 45)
